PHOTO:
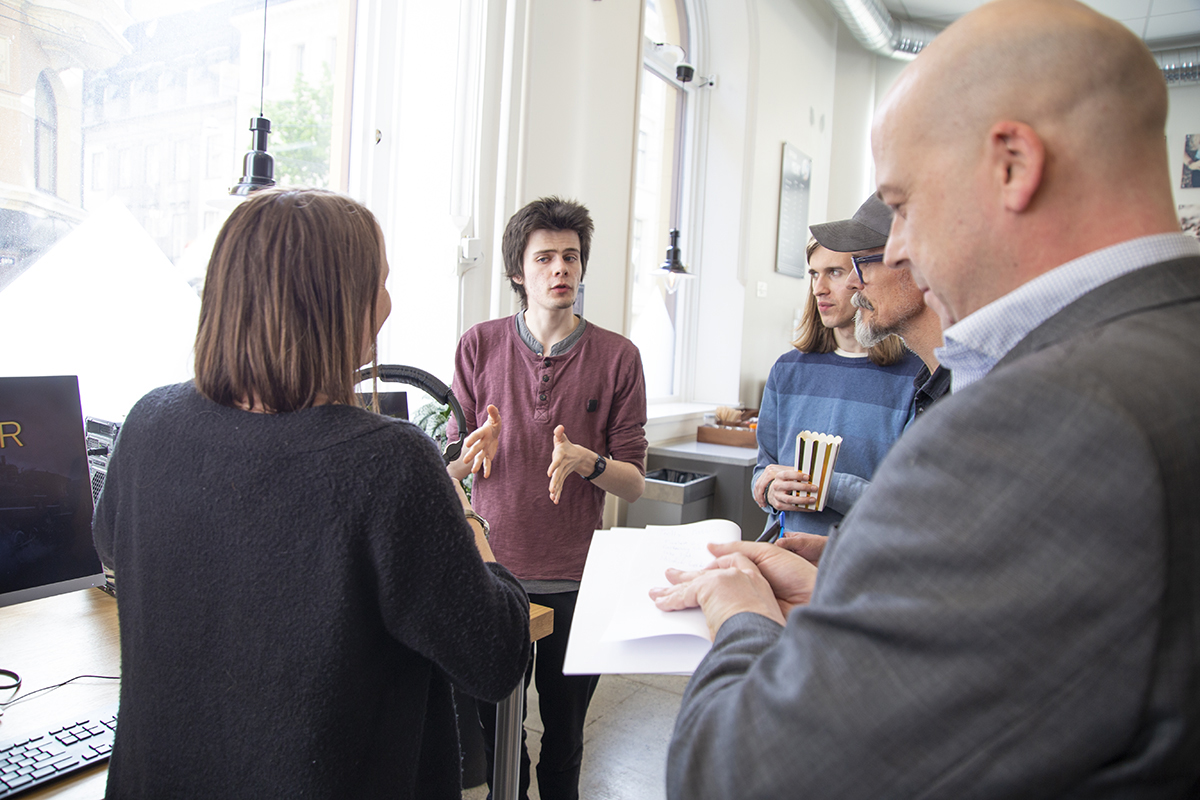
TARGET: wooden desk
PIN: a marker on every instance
(47, 642)
(52, 640)
(541, 622)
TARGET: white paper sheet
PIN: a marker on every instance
(617, 628)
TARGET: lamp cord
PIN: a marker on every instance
(262, 81)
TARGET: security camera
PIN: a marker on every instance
(684, 72)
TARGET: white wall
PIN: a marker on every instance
(786, 73)
(817, 88)
(579, 130)
(789, 72)
(852, 174)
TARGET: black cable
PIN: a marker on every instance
(262, 85)
(15, 686)
(28, 695)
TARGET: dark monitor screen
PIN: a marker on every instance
(45, 491)
(391, 404)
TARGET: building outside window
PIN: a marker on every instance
(99, 166)
(45, 141)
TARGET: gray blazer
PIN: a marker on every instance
(1013, 608)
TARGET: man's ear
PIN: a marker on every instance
(1018, 158)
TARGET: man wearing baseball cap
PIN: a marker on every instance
(889, 301)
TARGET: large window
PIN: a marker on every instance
(145, 106)
(416, 131)
(658, 299)
(108, 213)
(415, 108)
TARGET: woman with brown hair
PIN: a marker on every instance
(299, 580)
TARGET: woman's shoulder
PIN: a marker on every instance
(172, 393)
(164, 401)
(373, 435)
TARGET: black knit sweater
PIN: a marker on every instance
(296, 593)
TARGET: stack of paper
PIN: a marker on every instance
(617, 628)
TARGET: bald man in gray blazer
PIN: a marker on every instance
(1013, 608)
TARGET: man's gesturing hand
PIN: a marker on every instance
(480, 446)
(567, 458)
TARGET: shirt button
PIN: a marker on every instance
(546, 363)
(541, 397)
(545, 378)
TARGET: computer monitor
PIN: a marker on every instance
(45, 491)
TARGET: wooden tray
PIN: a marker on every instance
(736, 437)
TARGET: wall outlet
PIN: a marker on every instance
(762, 288)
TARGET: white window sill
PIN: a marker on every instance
(674, 422)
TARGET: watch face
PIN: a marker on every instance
(600, 465)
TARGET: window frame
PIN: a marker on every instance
(688, 176)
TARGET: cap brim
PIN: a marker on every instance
(847, 236)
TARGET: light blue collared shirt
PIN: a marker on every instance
(974, 344)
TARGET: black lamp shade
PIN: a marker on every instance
(258, 167)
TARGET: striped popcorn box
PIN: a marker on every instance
(816, 453)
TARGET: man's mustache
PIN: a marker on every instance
(858, 301)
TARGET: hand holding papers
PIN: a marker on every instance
(816, 453)
(617, 628)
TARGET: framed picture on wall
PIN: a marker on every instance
(1189, 219)
(1191, 162)
(794, 187)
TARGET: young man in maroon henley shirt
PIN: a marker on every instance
(573, 401)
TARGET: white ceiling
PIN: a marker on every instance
(1156, 21)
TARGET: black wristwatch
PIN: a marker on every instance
(601, 463)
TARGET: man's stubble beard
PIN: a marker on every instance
(866, 334)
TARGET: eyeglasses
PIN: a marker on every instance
(859, 261)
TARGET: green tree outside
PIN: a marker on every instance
(301, 131)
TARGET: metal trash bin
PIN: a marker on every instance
(673, 497)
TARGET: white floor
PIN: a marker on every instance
(628, 729)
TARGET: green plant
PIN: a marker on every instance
(432, 418)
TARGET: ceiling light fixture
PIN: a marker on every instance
(673, 266)
(258, 166)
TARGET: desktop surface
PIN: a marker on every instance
(52, 640)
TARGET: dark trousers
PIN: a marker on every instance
(563, 702)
